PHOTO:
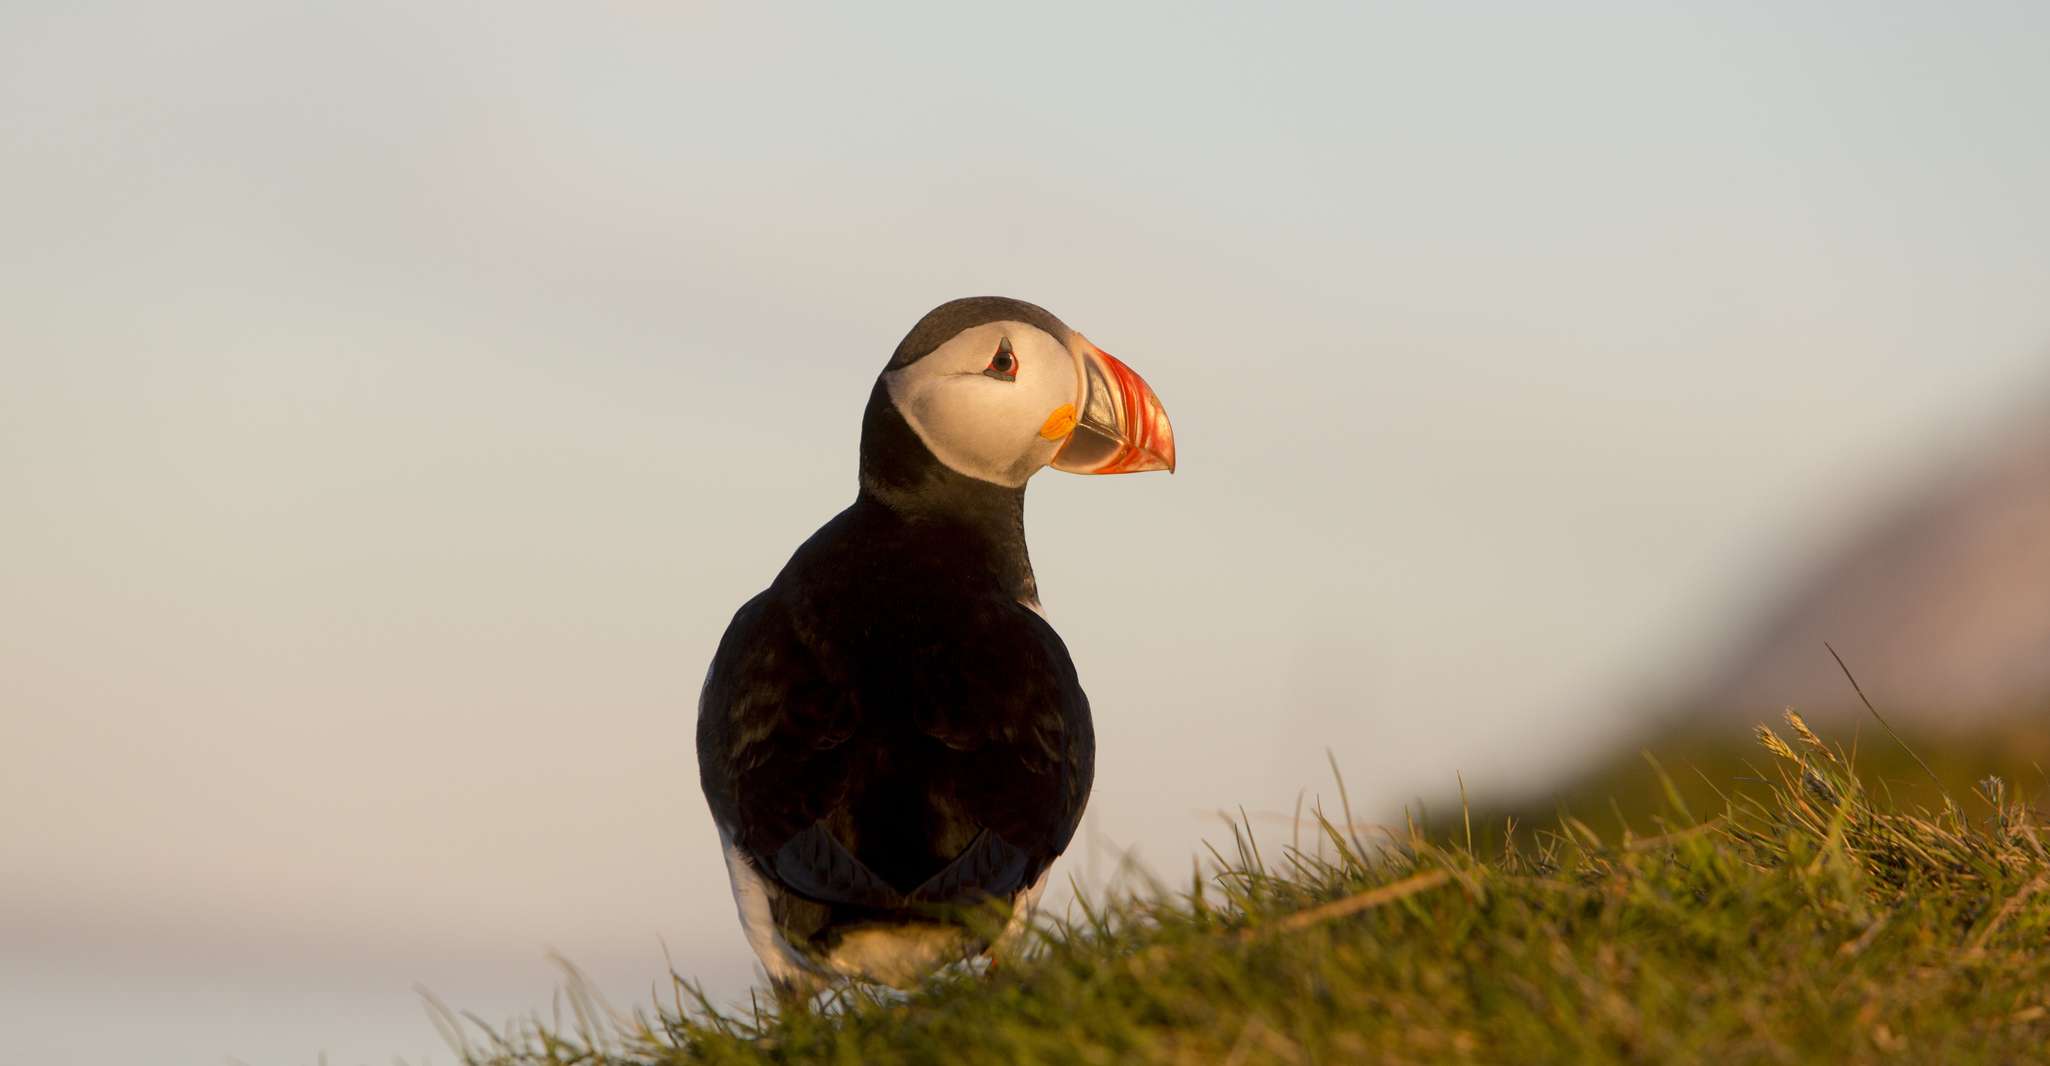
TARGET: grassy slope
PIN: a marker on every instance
(1707, 766)
(1812, 916)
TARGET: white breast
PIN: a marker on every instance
(780, 958)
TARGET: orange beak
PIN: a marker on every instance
(1121, 427)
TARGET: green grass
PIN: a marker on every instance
(1813, 916)
(1706, 767)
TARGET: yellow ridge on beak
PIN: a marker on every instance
(1060, 423)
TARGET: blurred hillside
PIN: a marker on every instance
(1941, 604)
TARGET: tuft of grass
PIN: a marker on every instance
(1815, 919)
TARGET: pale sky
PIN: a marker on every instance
(400, 398)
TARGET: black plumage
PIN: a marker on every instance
(888, 730)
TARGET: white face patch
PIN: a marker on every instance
(988, 427)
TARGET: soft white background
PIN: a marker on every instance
(397, 399)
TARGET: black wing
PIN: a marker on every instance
(938, 759)
(770, 727)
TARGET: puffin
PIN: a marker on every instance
(891, 737)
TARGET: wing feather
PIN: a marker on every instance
(839, 771)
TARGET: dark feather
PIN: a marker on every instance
(987, 867)
(818, 867)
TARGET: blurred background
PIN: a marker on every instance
(399, 399)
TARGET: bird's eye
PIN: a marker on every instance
(1003, 366)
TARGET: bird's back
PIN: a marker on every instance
(884, 730)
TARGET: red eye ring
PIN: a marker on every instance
(1003, 366)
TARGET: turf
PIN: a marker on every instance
(1817, 916)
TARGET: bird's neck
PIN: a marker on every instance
(964, 519)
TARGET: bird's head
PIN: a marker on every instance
(996, 389)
